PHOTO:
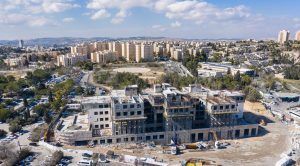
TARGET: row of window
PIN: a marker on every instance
(130, 106)
(104, 105)
(101, 113)
(181, 110)
(221, 107)
(101, 126)
(132, 113)
(102, 119)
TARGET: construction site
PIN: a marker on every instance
(163, 123)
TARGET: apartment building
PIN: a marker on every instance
(146, 52)
(99, 114)
(104, 56)
(130, 51)
(70, 59)
(15, 62)
(283, 36)
(297, 36)
(164, 113)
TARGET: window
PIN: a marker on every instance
(118, 140)
(124, 106)
(221, 107)
(101, 119)
(106, 119)
(139, 106)
(132, 139)
(215, 107)
(118, 114)
(132, 113)
(101, 112)
(154, 136)
(232, 106)
(106, 106)
(100, 106)
(125, 139)
(161, 136)
(107, 125)
(101, 126)
(95, 113)
(96, 126)
(148, 138)
(131, 105)
(106, 112)
(124, 113)
(227, 106)
(139, 112)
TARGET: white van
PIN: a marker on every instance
(85, 163)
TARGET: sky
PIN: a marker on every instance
(191, 19)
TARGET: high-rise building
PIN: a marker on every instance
(146, 52)
(130, 51)
(283, 36)
(116, 47)
(138, 53)
(21, 44)
(297, 37)
(123, 50)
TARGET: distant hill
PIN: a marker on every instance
(66, 41)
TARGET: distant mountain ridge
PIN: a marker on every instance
(66, 41)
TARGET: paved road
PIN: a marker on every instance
(178, 68)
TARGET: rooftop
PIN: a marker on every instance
(71, 123)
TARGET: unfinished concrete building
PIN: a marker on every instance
(164, 113)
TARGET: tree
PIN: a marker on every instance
(252, 94)
(4, 114)
(50, 97)
(237, 76)
(27, 111)
(2, 133)
(47, 117)
(14, 127)
(7, 150)
(229, 71)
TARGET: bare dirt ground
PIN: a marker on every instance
(264, 150)
(132, 70)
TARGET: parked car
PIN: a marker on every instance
(33, 144)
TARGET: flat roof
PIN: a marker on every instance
(96, 99)
(219, 100)
(81, 123)
(291, 95)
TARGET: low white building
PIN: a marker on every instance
(70, 59)
(104, 56)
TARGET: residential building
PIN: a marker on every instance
(146, 52)
(297, 37)
(138, 53)
(104, 56)
(70, 59)
(283, 36)
(130, 51)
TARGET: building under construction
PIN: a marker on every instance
(161, 114)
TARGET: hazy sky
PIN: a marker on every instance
(25, 19)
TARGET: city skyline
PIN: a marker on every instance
(189, 19)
